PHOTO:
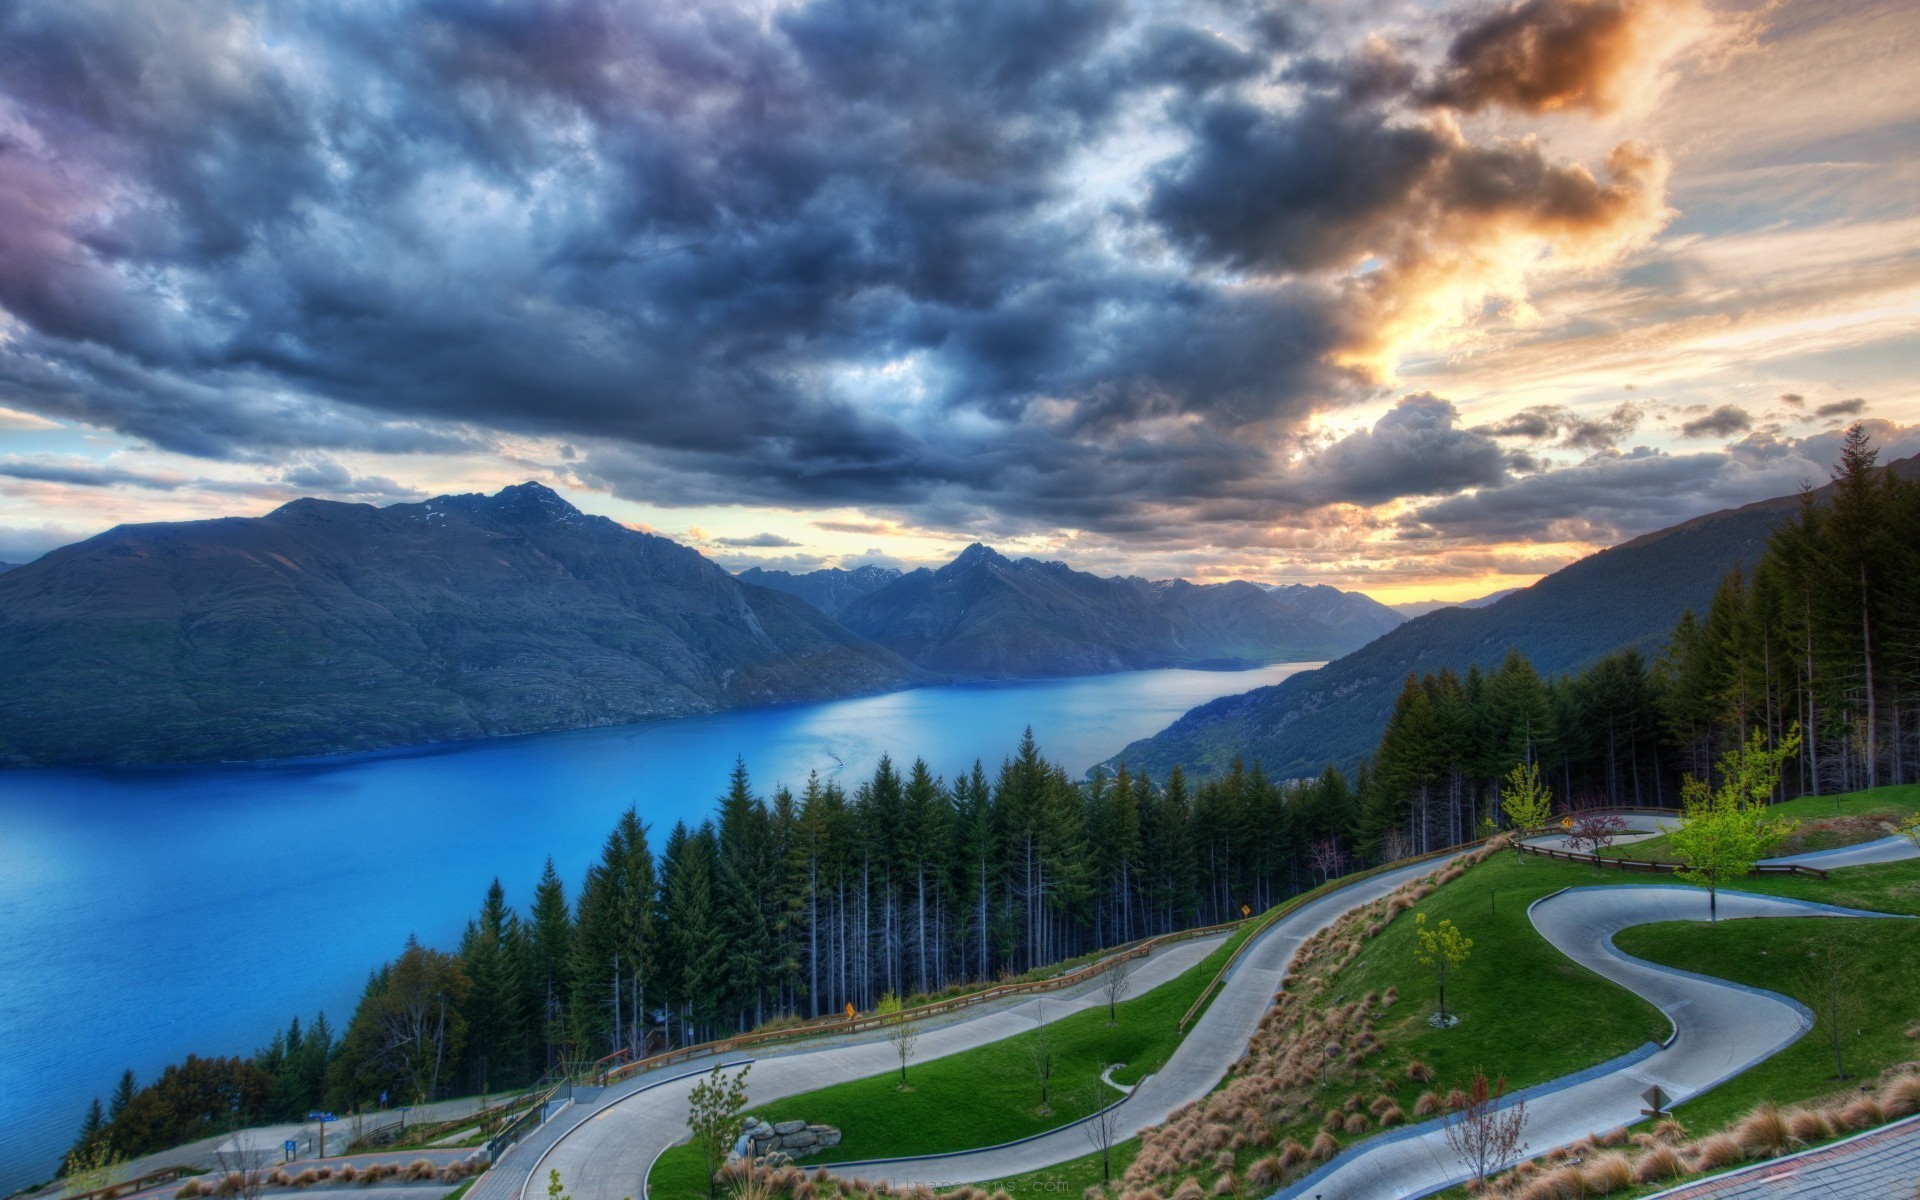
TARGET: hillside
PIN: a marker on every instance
(986, 615)
(828, 590)
(1420, 608)
(1629, 595)
(325, 627)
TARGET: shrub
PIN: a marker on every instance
(306, 1178)
(1661, 1161)
(1809, 1125)
(1419, 1072)
(1324, 1147)
(1358, 1123)
(1863, 1113)
(1392, 1115)
(1763, 1133)
(1717, 1152)
(1292, 1154)
(1608, 1172)
(1901, 1096)
(1265, 1172)
(1427, 1105)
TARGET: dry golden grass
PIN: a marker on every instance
(1606, 1173)
(1659, 1162)
(1763, 1133)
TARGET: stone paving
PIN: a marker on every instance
(1881, 1165)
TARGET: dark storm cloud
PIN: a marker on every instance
(770, 541)
(840, 254)
(1540, 55)
(83, 474)
(1573, 430)
(1416, 449)
(1842, 408)
(1722, 422)
(1611, 496)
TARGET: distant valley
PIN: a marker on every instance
(325, 627)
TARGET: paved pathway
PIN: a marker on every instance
(1720, 1029)
(1881, 1165)
(604, 1144)
(605, 1151)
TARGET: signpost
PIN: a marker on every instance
(1246, 911)
(291, 1148)
(320, 1144)
(852, 1012)
(1657, 1099)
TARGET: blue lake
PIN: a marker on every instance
(146, 914)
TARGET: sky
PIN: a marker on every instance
(1418, 299)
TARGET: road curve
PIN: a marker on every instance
(614, 1137)
(1720, 1029)
(606, 1154)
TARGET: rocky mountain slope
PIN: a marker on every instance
(324, 627)
(986, 615)
(1629, 595)
(828, 590)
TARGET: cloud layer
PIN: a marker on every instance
(1005, 265)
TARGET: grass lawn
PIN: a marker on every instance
(986, 1095)
(1526, 1012)
(1530, 1015)
(1882, 986)
(1826, 822)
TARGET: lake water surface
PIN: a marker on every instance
(146, 914)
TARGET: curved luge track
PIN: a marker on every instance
(604, 1147)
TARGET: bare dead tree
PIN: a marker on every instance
(1836, 1005)
(240, 1172)
(1102, 1127)
(1041, 1051)
(1483, 1132)
(1328, 858)
(1115, 985)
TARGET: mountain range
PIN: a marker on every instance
(828, 590)
(1627, 596)
(324, 627)
(1420, 608)
(985, 615)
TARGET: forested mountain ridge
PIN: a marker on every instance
(984, 614)
(1626, 597)
(829, 589)
(324, 627)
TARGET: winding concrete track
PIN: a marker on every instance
(1719, 1030)
(604, 1145)
(607, 1148)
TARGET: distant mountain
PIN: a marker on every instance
(7, 566)
(1350, 613)
(1420, 608)
(1630, 595)
(828, 590)
(987, 615)
(325, 627)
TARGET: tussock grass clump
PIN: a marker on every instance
(1606, 1173)
(1716, 1152)
(1764, 1132)
(1324, 1147)
(1660, 1161)
(1863, 1113)
(1419, 1072)
(1901, 1096)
